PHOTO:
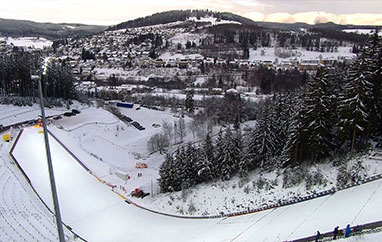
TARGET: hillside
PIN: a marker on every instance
(20, 28)
(180, 15)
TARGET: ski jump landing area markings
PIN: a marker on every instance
(96, 213)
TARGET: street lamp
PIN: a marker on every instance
(49, 160)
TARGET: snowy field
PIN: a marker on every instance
(98, 214)
(268, 54)
(212, 20)
(108, 145)
(33, 42)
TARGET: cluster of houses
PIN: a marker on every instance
(242, 64)
(115, 49)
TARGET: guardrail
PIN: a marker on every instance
(368, 228)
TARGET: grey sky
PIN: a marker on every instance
(331, 6)
(109, 12)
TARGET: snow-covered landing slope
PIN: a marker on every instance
(98, 214)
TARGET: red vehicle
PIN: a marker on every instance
(139, 193)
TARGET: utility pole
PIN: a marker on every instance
(50, 165)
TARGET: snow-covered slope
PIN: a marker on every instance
(98, 214)
(32, 42)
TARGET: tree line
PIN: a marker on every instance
(17, 67)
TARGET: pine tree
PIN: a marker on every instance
(229, 162)
(218, 155)
(373, 56)
(355, 103)
(318, 116)
(188, 167)
(166, 181)
(205, 165)
(294, 146)
(189, 102)
(264, 141)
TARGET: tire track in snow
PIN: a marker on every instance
(368, 200)
(306, 218)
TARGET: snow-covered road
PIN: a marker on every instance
(93, 211)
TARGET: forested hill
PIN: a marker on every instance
(180, 15)
(20, 28)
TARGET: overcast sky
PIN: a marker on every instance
(111, 12)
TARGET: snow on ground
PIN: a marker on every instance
(257, 190)
(184, 37)
(143, 74)
(98, 214)
(176, 56)
(213, 20)
(107, 145)
(268, 54)
(126, 146)
(33, 42)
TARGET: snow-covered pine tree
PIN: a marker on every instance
(166, 173)
(218, 155)
(242, 162)
(205, 165)
(188, 167)
(373, 56)
(378, 88)
(281, 111)
(294, 147)
(355, 103)
(318, 116)
(230, 152)
(178, 169)
(264, 140)
(189, 102)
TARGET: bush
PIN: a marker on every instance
(313, 179)
(247, 189)
(343, 175)
(294, 176)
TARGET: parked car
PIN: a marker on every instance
(68, 114)
(75, 111)
(140, 165)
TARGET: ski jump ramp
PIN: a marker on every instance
(96, 213)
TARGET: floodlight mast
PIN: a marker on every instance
(49, 160)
